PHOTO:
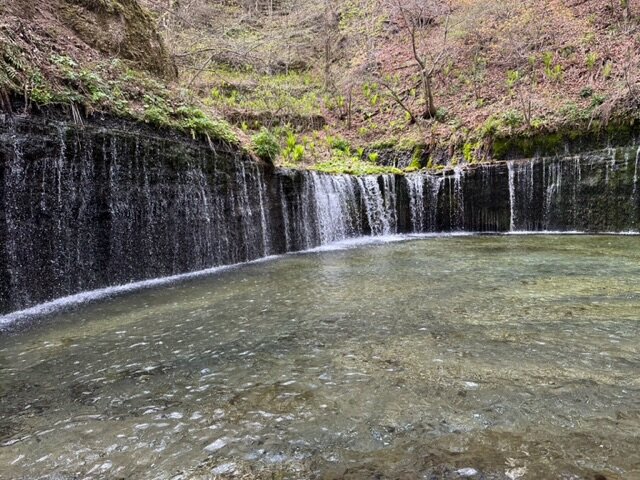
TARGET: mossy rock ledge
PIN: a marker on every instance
(119, 27)
(566, 141)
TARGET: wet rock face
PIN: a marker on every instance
(86, 208)
(594, 192)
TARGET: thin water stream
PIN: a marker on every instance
(497, 357)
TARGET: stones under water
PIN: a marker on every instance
(85, 208)
(485, 357)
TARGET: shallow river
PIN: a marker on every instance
(496, 357)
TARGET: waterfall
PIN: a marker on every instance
(390, 200)
(577, 174)
(284, 207)
(333, 197)
(84, 208)
(262, 194)
(512, 195)
(434, 194)
(415, 185)
(553, 191)
(377, 205)
(635, 174)
(458, 215)
(14, 180)
(524, 214)
(245, 211)
(329, 208)
(611, 164)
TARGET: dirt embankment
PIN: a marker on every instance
(35, 37)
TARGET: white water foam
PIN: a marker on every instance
(635, 174)
(103, 293)
(572, 232)
(549, 232)
(381, 239)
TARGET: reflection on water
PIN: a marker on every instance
(476, 357)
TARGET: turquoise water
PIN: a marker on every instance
(487, 357)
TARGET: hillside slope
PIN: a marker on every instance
(340, 85)
(91, 57)
(333, 70)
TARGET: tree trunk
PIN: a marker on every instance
(429, 107)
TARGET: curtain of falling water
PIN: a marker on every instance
(88, 208)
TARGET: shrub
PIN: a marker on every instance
(293, 151)
(196, 122)
(586, 92)
(337, 143)
(490, 127)
(553, 72)
(298, 153)
(572, 113)
(291, 141)
(591, 60)
(441, 114)
(157, 116)
(265, 145)
(512, 118)
(513, 77)
(597, 100)
(538, 123)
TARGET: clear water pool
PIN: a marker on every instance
(496, 357)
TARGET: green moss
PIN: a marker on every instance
(355, 168)
(416, 160)
(471, 151)
(552, 143)
(623, 131)
(344, 163)
(384, 144)
(500, 148)
(409, 144)
(430, 163)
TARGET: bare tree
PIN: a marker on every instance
(331, 33)
(414, 18)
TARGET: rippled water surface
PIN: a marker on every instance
(486, 357)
